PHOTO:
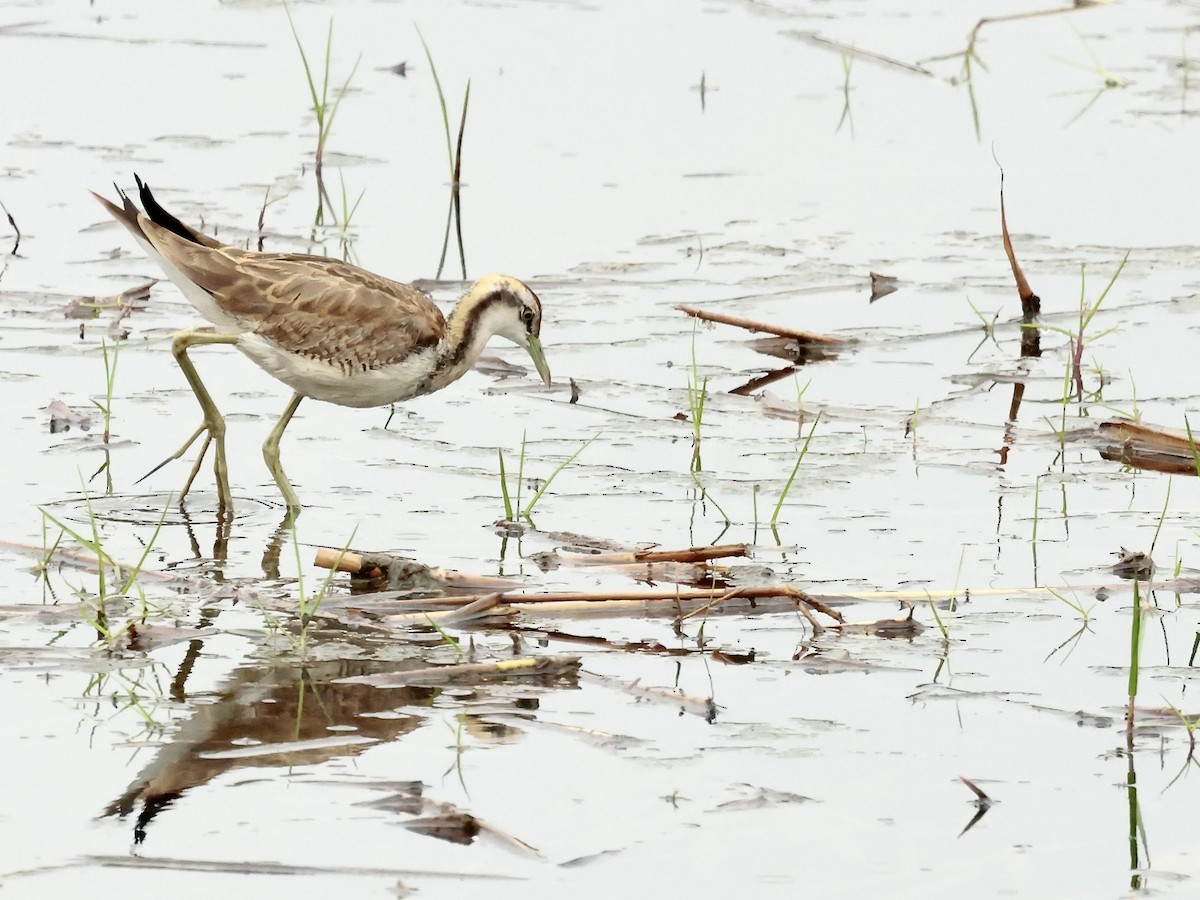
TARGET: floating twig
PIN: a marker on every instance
(804, 337)
(848, 50)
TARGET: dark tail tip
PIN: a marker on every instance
(160, 216)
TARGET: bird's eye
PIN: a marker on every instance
(527, 316)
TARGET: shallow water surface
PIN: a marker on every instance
(753, 159)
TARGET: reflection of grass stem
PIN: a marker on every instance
(454, 159)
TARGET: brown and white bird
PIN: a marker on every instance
(327, 329)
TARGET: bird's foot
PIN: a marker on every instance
(214, 433)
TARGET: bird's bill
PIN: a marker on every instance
(534, 346)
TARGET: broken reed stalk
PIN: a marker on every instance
(804, 337)
(1031, 303)
(691, 554)
(531, 601)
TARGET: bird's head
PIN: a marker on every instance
(512, 310)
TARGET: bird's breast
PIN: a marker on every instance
(343, 384)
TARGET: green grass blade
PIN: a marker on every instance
(525, 513)
(437, 83)
(508, 509)
(796, 468)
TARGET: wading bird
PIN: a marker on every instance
(327, 329)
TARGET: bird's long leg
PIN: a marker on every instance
(270, 449)
(213, 426)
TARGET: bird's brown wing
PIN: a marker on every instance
(318, 307)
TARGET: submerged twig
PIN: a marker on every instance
(538, 667)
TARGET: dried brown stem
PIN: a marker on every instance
(804, 337)
(1031, 303)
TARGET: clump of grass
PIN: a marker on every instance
(1087, 312)
(125, 577)
(454, 158)
(309, 606)
(324, 107)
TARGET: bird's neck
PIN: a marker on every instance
(468, 330)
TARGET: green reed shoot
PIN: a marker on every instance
(937, 617)
(454, 159)
(796, 468)
(1087, 312)
(508, 507)
(1161, 517)
(1192, 444)
(110, 378)
(1135, 655)
(323, 106)
(307, 606)
(697, 393)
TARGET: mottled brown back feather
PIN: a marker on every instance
(311, 305)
